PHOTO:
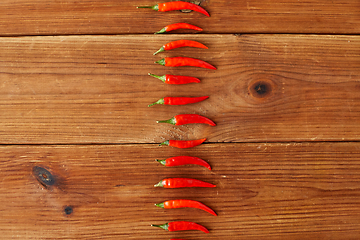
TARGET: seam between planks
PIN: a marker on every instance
(206, 143)
(201, 34)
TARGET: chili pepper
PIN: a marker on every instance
(183, 160)
(180, 43)
(181, 226)
(183, 182)
(184, 203)
(177, 5)
(183, 144)
(179, 100)
(176, 26)
(182, 119)
(175, 79)
(184, 61)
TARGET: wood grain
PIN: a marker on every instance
(41, 17)
(264, 191)
(78, 143)
(84, 89)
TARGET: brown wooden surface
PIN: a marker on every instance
(74, 92)
(264, 191)
(96, 89)
(62, 17)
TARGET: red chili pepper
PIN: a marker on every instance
(179, 100)
(176, 26)
(180, 43)
(181, 226)
(177, 5)
(184, 203)
(184, 61)
(182, 119)
(183, 144)
(183, 182)
(184, 160)
(175, 79)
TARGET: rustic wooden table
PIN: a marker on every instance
(78, 142)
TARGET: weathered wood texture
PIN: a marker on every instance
(85, 89)
(62, 17)
(285, 152)
(264, 191)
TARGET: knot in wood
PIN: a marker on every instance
(261, 88)
(68, 210)
(44, 177)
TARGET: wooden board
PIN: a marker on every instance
(87, 89)
(42, 17)
(78, 143)
(264, 191)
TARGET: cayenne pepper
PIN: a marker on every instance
(182, 183)
(177, 5)
(184, 203)
(175, 79)
(181, 226)
(179, 100)
(176, 26)
(184, 61)
(179, 44)
(182, 119)
(184, 160)
(183, 144)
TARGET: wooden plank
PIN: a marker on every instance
(57, 90)
(41, 17)
(264, 191)
(96, 89)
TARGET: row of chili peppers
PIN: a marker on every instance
(182, 118)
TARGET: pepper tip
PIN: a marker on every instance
(167, 142)
(161, 62)
(160, 50)
(159, 184)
